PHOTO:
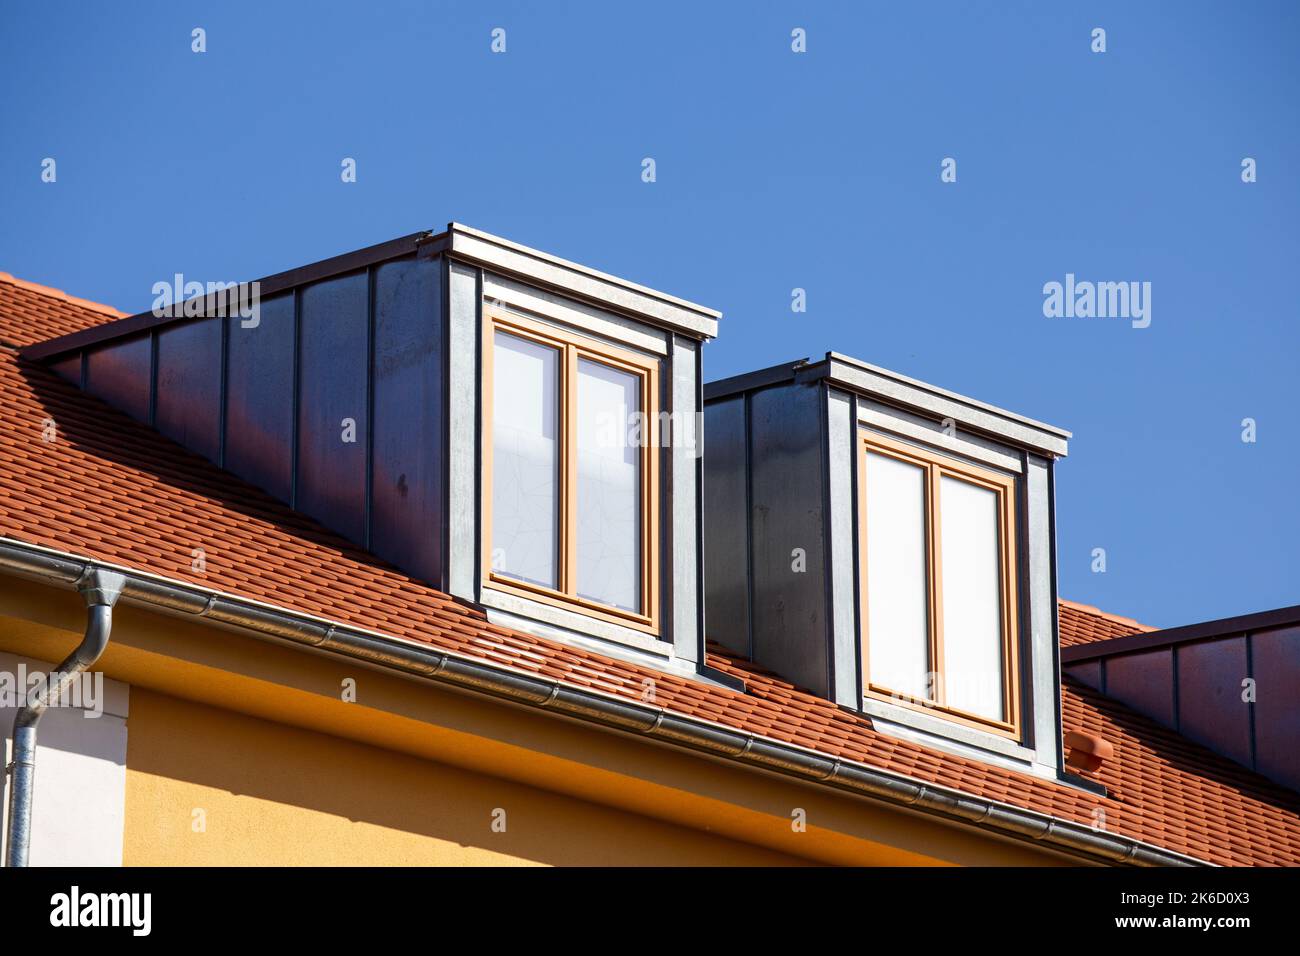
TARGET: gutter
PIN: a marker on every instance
(702, 736)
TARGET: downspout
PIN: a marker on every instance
(101, 590)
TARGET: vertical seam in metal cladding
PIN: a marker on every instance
(1250, 709)
(444, 426)
(295, 398)
(369, 502)
(1174, 678)
(747, 410)
(223, 398)
(152, 411)
(828, 591)
(85, 368)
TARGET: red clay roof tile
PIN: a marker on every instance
(86, 493)
(1083, 624)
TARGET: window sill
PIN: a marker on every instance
(932, 728)
(575, 605)
(552, 618)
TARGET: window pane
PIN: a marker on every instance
(898, 650)
(972, 601)
(609, 486)
(525, 460)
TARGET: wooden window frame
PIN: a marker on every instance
(936, 467)
(572, 347)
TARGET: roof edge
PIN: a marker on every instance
(1113, 618)
(908, 393)
(573, 279)
(50, 292)
(1153, 639)
(267, 285)
(457, 239)
(480, 676)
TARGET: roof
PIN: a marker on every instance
(458, 241)
(32, 313)
(1145, 638)
(1085, 624)
(145, 503)
(901, 391)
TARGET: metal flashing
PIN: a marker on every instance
(463, 243)
(649, 305)
(1186, 634)
(906, 393)
(268, 286)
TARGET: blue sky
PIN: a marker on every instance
(775, 170)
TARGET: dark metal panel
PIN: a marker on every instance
(748, 382)
(68, 368)
(1145, 682)
(1210, 708)
(790, 621)
(267, 286)
(259, 398)
(1089, 673)
(1243, 624)
(1275, 663)
(188, 401)
(407, 436)
(726, 525)
(120, 374)
(333, 342)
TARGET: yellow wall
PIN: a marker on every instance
(258, 735)
(272, 794)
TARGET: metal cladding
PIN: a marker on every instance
(349, 390)
(1231, 685)
(782, 478)
(316, 400)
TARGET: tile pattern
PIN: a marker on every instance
(1083, 624)
(113, 489)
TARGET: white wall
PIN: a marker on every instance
(79, 802)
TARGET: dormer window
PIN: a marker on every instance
(937, 557)
(486, 417)
(889, 545)
(573, 480)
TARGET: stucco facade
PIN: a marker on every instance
(239, 752)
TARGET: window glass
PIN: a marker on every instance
(897, 580)
(609, 486)
(972, 602)
(525, 460)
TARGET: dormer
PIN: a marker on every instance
(890, 546)
(517, 430)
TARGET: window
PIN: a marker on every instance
(937, 558)
(571, 471)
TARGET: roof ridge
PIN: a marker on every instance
(1115, 618)
(53, 293)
